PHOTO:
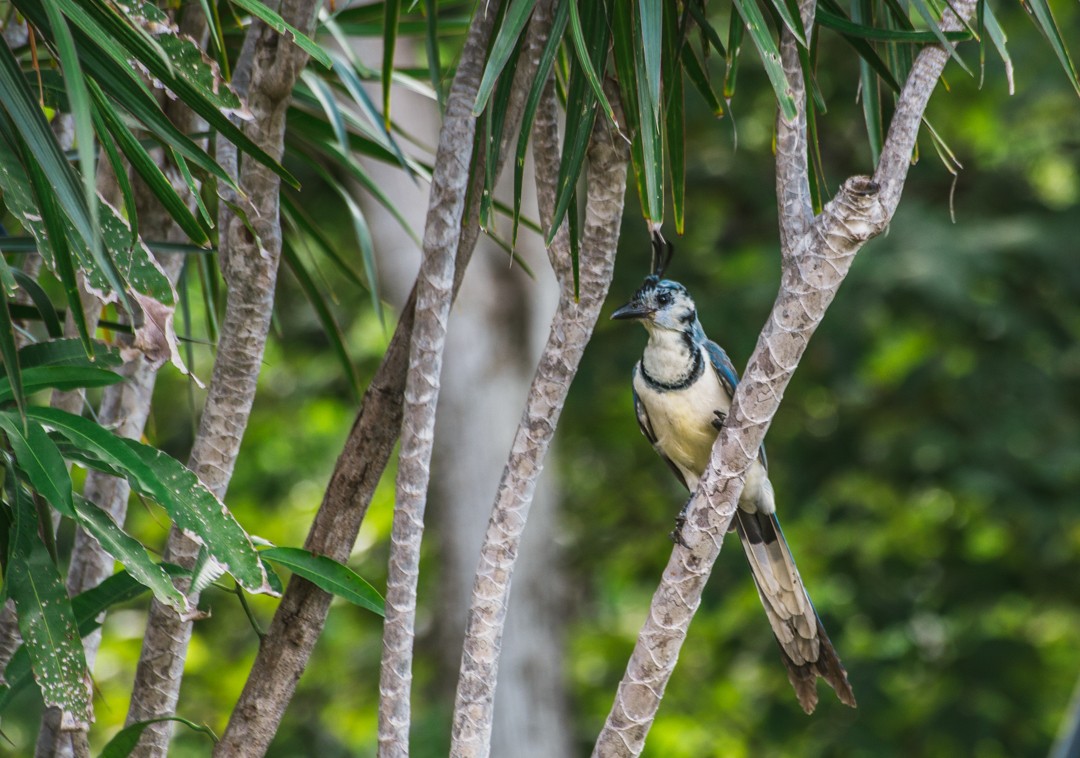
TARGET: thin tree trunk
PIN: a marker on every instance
(434, 293)
(299, 620)
(265, 74)
(816, 254)
(571, 328)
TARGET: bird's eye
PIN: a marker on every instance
(664, 298)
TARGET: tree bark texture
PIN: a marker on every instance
(814, 263)
(434, 293)
(571, 328)
(300, 618)
(265, 74)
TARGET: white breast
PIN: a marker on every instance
(682, 420)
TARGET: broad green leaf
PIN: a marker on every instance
(770, 55)
(168, 482)
(59, 377)
(290, 32)
(328, 575)
(506, 42)
(40, 460)
(87, 607)
(46, 619)
(130, 552)
(123, 742)
(68, 352)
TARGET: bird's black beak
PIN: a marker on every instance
(635, 309)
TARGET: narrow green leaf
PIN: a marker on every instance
(148, 169)
(586, 51)
(75, 85)
(624, 43)
(328, 575)
(352, 83)
(130, 552)
(329, 105)
(675, 127)
(46, 619)
(935, 27)
(731, 61)
(326, 318)
(650, 22)
(841, 24)
(649, 132)
(528, 115)
(581, 103)
(165, 480)
(431, 45)
(708, 31)
(506, 42)
(997, 36)
(869, 93)
(788, 11)
(1044, 21)
(120, 171)
(40, 460)
(297, 217)
(8, 349)
(285, 29)
(695, 71)
(41, 301)
(770, 55)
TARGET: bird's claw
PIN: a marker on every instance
(676, 533)
(718, 422)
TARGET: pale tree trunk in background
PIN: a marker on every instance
(265, 74)
(496, 331)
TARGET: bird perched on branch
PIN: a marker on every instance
(683, 386)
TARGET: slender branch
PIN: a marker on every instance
(301, 616)
(434, 294)
(813, 268)
(571, 328)
(265, 75)
(792, 172)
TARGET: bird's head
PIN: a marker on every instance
(660, 304)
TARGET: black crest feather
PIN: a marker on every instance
(662, 253)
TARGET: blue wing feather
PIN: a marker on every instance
(729, 377)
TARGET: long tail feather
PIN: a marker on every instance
(804, 645)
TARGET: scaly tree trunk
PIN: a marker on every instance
(570, 331)
(265, 74)
(817, 252)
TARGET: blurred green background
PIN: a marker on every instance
(926, 460)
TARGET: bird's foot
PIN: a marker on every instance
(676, 533)
(718, 422)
